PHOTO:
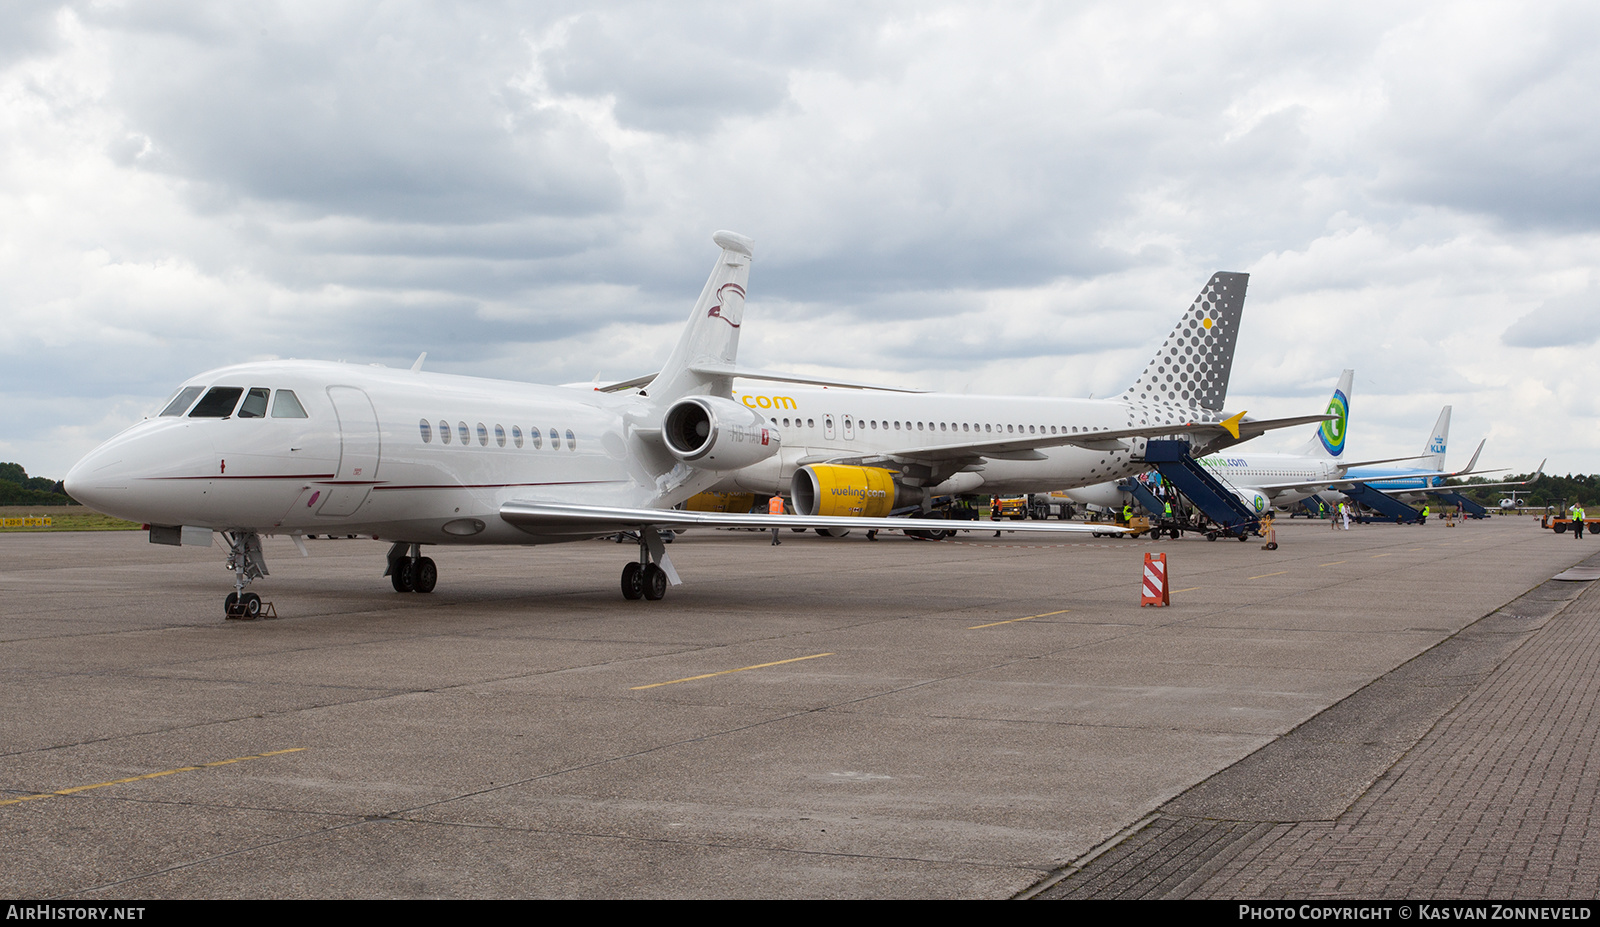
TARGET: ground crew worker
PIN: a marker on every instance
(775, 507)
(1577, 520)
(1425, 511)
(1127, 512)
(1169, 510)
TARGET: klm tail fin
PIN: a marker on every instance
(1193, 365)
(711, 339)
(1328, 442)
(1433, 451)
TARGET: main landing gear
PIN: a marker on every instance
(409, 571)
(248, 565)
(649, 576)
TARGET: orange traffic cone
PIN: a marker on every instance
(1155, 589)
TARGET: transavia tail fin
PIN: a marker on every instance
(712, 336)
(1328, 442)
(1433, 452)
(1193, 365)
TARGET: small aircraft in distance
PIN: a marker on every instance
(415, 458)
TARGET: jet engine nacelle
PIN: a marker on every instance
(1254, 499)
(832, 490)
(717, 434)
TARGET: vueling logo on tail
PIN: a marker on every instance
(1332, 433)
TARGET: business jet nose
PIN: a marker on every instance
(100, 480)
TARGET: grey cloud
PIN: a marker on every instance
(354, 114)
(1572, 320)
(668, 75)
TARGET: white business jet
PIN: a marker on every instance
(415, 458)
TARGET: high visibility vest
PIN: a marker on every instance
(1169, 510)
(775, 505)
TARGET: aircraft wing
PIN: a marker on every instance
(1460, 486)
(562, 518)
(751, 373)
(1027, 448)
(1369, 480)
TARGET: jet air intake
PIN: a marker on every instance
(717, 434)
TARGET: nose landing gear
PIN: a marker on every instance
(248, 565)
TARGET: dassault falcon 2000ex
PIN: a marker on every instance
(300, 447)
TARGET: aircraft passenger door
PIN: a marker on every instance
(849, 429)
(827, 427)
(359, 448)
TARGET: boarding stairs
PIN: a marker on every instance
(1388, 507)
(1210, 495)
(1472, 509)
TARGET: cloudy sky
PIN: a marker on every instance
(984, 199)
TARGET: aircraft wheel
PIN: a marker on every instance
(401, 577)
(655, 582)
(798, 530)
(230, 606)
(250, 605)
(632, 580)
(424, 575)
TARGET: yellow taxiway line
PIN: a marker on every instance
(741, 669)
(1010, 620)
(1265, 575)
(155, 775)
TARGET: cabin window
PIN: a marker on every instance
(465, 435)
(572, 440)
(536, 438)
(218, 403)
(181, 402)
(427, 431)
(255, 403)
(287, 405)
(499, 436)
(483, 435)
(811, 423)
(516, 435)
(555, 440)
(444, 432)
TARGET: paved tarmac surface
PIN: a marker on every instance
(828, 718)
(1483, 752)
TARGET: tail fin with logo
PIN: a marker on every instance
(1328, 442)
(1433, 452)
(1193, 364)
(711, 338)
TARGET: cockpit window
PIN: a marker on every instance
(218, 403)
(255, 403)
(181, 402)
(287, 405)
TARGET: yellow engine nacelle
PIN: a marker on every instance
(831, 490)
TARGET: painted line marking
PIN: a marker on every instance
(1376, 556)
(1011, 620)
(1333, 563)
(1190, 589)
(155, 775)
(726, 672)
(1265, 575)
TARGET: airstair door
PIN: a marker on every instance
(359, 449)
